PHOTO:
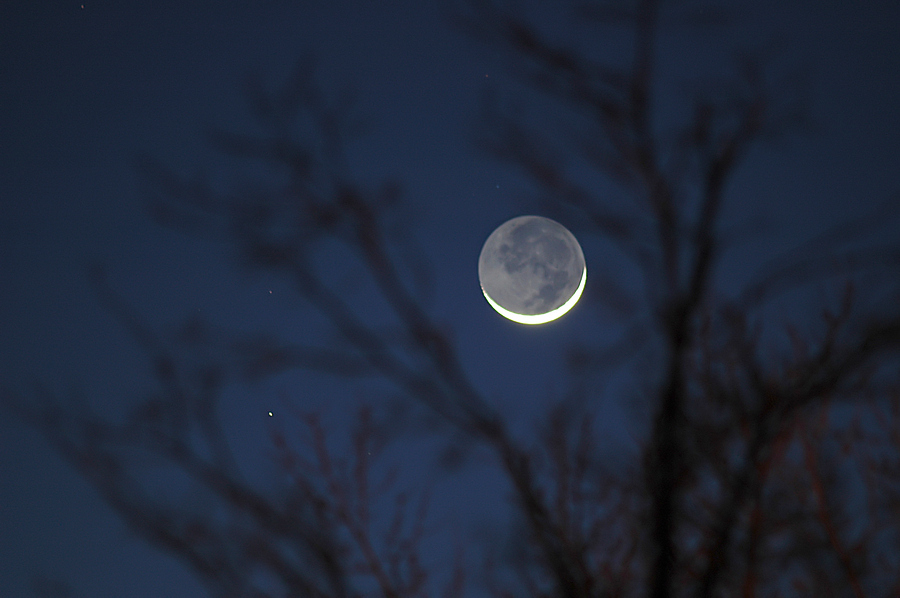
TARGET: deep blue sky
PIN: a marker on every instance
(84, 87)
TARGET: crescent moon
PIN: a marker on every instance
(532, 270)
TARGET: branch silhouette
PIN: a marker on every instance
(736, 487)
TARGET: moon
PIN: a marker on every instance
(532, 270)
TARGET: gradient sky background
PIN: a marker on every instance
(84, 88)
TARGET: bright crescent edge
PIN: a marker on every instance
(541, 318)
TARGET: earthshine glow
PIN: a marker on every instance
(532, 270)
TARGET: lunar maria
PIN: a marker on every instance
(532, 270)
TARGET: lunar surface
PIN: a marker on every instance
(532, 270)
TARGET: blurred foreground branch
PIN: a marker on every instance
(768, 458)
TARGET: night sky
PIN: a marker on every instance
(86, 88)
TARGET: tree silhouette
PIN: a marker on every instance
(769, 461)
